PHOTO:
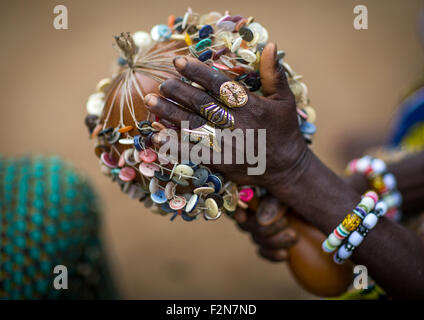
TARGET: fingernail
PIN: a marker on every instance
(282, 254)
(180, 62)
(267, 216)
(291, 234)
(150, 100)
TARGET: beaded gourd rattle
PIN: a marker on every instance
(127, 135)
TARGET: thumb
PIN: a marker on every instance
(273, 77)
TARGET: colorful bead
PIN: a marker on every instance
(95, 104)
(203, 190)
(307, 128)
(142, 40)
(357, 236)
(351, 222)
(380, 209)
(148, 155)
(379, 179)
(360, 211)
(205, 31)
(171, 20)
(180, 181)
(129, 158)
(137, 142)
(342, 254)
(154, 185)
(206, 55)
(160, 32)
(378, 166)
(370, 221)
(127, 174)
(367, 203)
(183, 170)
(188, 40)
(212, 209)
(246, 194)
(236, 44)
(177, 203)
(158, 197)
(377, 183)
(192, 203)
(162, 176)
(108, 160)
(372, 195)
(216, 182)
(247, 55)
(390, 181)
(334, 241)
(125, 129)
(327, 247)
(203, 44)
(148, 169)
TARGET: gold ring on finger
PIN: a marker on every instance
(233, 94)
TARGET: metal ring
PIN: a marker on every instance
(233, 94)
(218, 115)
(206, 130)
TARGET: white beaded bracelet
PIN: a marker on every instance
(357, 237)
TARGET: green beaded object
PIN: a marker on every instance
(49, 216)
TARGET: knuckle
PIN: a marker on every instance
(265, 231)
(200, 99)
(260, 113)
(292, 234)
(273, 255)
(257, 239)
(286, 237)
(159, 108)
(216, 80)
(276, 244)
(269, 199)
(279, 240)
(172, 115)
(195, 121)
(283, 222)
(266, 255)
(193, 69)
(169, 86)
(281, 255)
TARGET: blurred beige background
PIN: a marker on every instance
(355, 80)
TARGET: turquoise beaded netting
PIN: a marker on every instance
(49, 216)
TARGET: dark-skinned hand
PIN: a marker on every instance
(269, 228)
(275, 112)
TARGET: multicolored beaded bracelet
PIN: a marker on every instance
(381, 181)
(350, 222)
(358, 235)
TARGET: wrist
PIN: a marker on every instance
(285, 184)
(316, 193)
(357, 182)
